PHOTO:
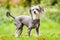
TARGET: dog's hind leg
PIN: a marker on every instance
(29, 30)
(19, 31)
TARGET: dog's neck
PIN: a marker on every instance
(36, 21)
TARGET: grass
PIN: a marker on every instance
(49, 29)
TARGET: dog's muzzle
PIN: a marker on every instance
(36, 16)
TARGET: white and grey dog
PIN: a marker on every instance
(32, 21)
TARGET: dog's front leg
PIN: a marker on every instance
(37, 30)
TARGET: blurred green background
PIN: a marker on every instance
(50, 22)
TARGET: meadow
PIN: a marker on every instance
(49, 29)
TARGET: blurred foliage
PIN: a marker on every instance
(29, 2)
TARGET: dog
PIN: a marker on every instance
(32, 21)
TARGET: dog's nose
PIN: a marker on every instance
(34, 12)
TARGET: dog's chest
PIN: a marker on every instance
(36, 23)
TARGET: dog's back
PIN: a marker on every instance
(26, 20)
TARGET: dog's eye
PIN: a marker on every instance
(32, 9)
(37, 9)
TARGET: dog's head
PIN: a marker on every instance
(36, 11)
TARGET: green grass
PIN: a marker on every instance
(49, 29)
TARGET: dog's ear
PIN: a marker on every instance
(41, 8)
(31, 13)
(30, 10)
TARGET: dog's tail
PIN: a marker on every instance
(8, 14)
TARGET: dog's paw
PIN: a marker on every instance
(16, 35)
